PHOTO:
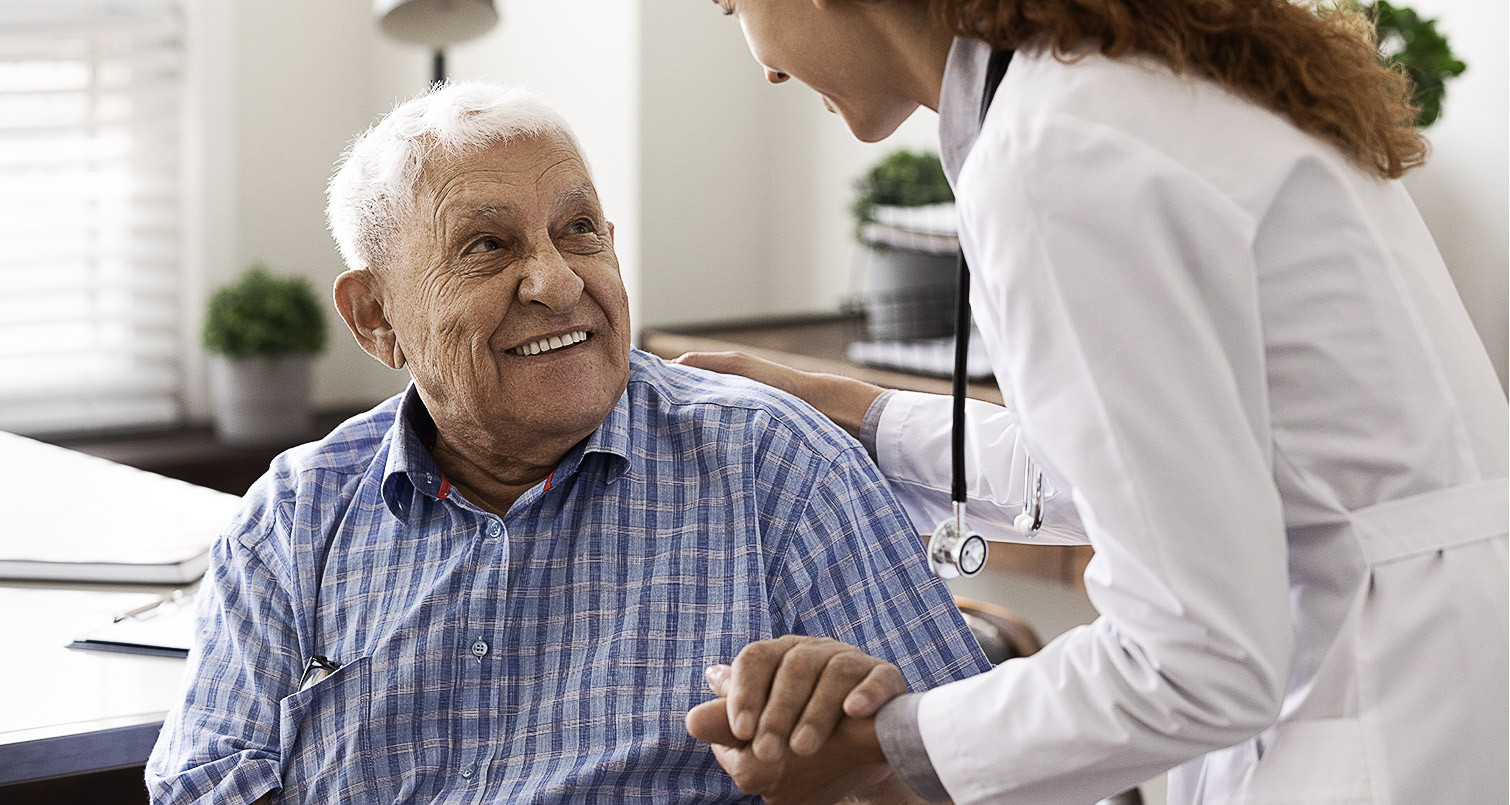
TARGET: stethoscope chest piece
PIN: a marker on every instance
(954, 552)
(1026, 524)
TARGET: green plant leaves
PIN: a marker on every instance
(1414, 44)
(902, 179)
(264, 314)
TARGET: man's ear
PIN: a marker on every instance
(358, 302)
(610, 233)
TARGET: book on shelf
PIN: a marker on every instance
(70, 516)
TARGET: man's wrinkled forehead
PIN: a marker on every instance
(522, 161)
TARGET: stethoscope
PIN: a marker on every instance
(954, 550)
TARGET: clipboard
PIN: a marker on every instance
(162, 629)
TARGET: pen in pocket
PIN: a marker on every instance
(315, 669)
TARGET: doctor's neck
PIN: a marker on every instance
(919, 43)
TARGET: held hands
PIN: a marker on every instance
(779, 728)
(842, 399)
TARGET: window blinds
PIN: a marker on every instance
(90, 229)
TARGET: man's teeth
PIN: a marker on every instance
(548, 344)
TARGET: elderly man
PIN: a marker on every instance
(505, 584)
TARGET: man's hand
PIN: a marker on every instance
(850, 762)
(793, 690)
(842, 399)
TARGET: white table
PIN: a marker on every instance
(66, 712)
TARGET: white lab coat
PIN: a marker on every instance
(1241, 361)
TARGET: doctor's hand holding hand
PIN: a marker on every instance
(842, 399)
(802, 687)
(847, 762)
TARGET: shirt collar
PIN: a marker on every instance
(959, 102)
(409, 460)
(612, 438)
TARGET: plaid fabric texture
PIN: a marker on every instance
(548, 656)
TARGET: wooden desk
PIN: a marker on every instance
(67, 716)
(817, 344)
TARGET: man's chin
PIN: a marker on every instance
(568, 396)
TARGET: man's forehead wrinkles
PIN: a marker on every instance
(569, 158)
(463, 175)
(466, 189)
(488, 211)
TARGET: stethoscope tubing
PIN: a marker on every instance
(1031, 518)
(957, 487)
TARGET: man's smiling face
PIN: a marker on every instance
(505, 296)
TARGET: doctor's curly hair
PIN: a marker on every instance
(1316, 64)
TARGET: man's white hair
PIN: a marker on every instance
(375, 179)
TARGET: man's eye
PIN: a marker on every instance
(581, 226)
(484, 245)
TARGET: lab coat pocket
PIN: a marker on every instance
(1320, 760)
(321, 731)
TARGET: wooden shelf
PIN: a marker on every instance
(818, 344)
(193, 454)
(809, 343)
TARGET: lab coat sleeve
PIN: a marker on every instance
(914, 452)
(1124, 290)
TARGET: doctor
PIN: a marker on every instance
(1225, 335)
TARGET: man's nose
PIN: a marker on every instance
(550, 281)
(776, 76)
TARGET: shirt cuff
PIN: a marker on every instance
(902, 742)
(872, 422)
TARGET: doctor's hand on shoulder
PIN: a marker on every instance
(794, 721)
(842, 399)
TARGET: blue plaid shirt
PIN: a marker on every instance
(549, 655)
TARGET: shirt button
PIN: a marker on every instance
(479, 648)
(494, 529)
(468, 770)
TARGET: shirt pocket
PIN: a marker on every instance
(1320, 760)
(322, 733)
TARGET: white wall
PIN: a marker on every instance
(705, 174)
(827, 263)
(746, 186)
(301, 93)
(1463, 192)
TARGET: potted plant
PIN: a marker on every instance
(261, 332)
(904, 215)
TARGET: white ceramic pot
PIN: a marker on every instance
(909, 294)
(261, 400)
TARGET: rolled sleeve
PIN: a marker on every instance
(902, 743)
(872, 422)
(220, 744)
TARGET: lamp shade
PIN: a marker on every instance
(436, 23)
